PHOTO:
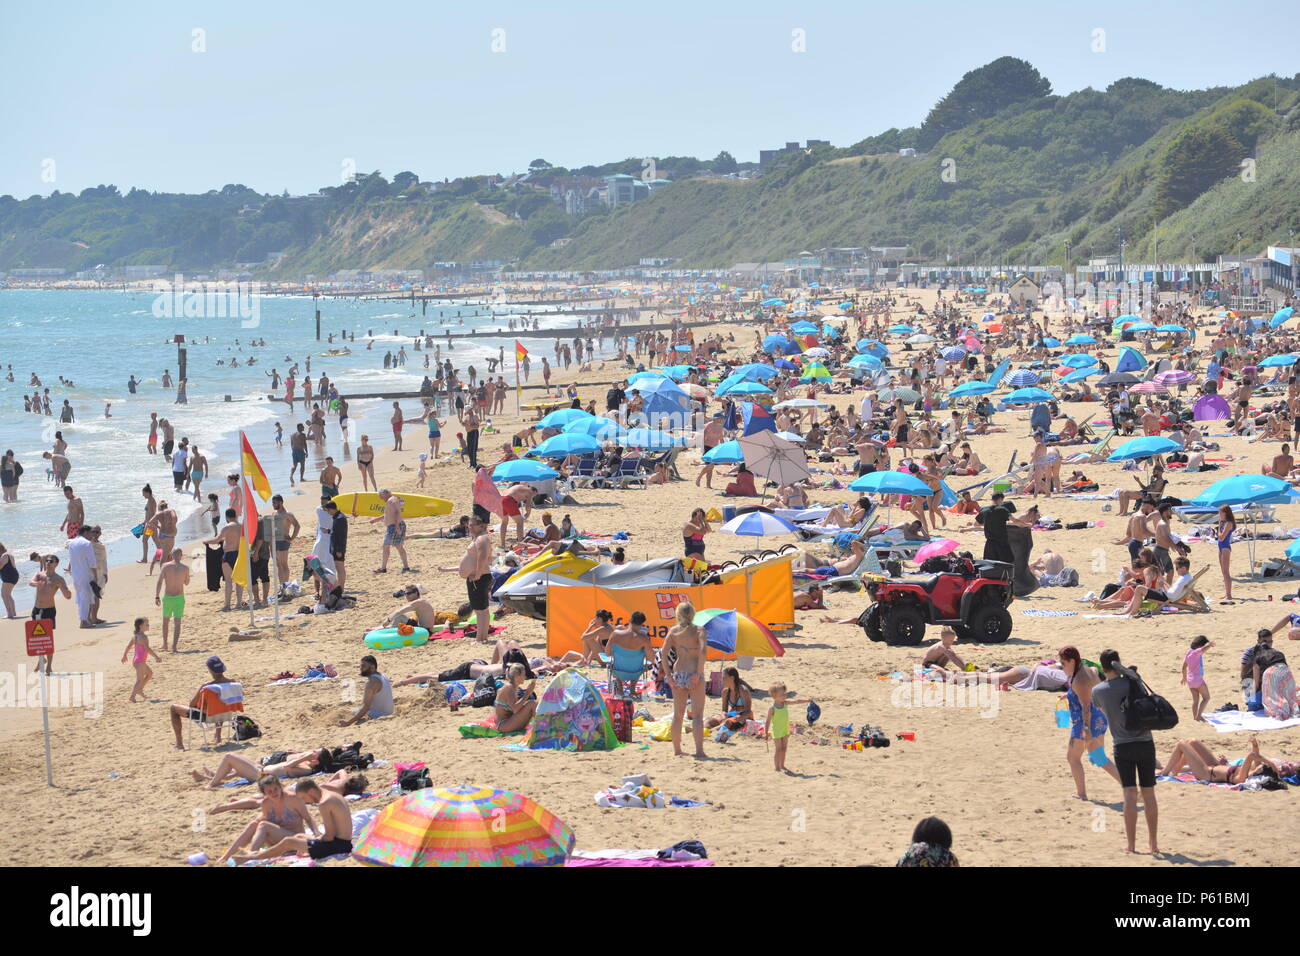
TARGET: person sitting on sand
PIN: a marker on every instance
(281, 815)
(345, 783)
(596, 636)
(378, 699)
(515, 703)
(335, 839)
(1049, 562)
(737, 702)
(417, 612)
(941, 654)
(233, 766)
(1194, 756)
(743, 486)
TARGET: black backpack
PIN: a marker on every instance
(246, 728)
(1144, 709)
(414, 779)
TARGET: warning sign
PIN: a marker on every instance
(40, 638)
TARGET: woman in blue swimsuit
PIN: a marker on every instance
(1223, 535)
(1087, 722)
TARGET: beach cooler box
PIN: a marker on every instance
(1002, 486)
(728, 512)
(620, 714)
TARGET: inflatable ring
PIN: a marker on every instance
(388, 638)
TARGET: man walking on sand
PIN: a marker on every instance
(169, 594)
(394, 531)
(1134, 751)
(476, 569)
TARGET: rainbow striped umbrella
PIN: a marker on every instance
(735, 633)
(465, 826)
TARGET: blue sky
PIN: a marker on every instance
(286, 91)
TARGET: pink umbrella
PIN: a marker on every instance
(1148, 388)
(936, 548)
(1175, 376)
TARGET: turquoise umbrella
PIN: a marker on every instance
(563, 416)
(1027, 396)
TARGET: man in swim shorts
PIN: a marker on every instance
(169, 593)
(330, 478)
(298, 448)
(228, 538)
(335, 818)
(394, 530)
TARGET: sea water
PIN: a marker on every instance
(97, 339)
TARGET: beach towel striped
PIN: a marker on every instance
(1047, 612)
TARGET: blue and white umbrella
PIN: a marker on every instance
(1080, 338)
(758, 524)
(954, 353)
(1022, 377)
(1077, 360)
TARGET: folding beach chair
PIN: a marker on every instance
(216, 711)
(584, 471)
(626, 666)
(629, 473)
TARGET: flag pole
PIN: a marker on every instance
(518, 388)
(275, 577)
(248, 554)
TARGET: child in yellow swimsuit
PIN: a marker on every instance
(777, 725)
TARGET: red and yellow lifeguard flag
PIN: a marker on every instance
(239, 574)
(253, 468)
(520, 352)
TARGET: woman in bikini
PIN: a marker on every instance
(737, 702)
(282, 815)
(233, 766)
(366, 463)
(596, 636)
(684, 650)
(1194, 756)
(515, 703)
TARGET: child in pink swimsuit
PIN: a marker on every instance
(1194, 675)
(140, 644)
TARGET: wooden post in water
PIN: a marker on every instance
(315, 298)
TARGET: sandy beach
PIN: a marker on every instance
(997, 774)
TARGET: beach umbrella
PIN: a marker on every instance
(1145, 447)
(563, 416)
(921, 338)
(773, 301)
(1119, 378)
(864, 361)
(523, 470)
(1174, 377)
(901, 329)
(801, 403)
(1280, 316)
(1239, 490)
(817, 352)
(845, 305)
(1027, 395)
(804, 328)
(954, 353)
(890, 483)
(595, 426)
(727, 453)
(1022, 377)
(682, 348)
(662, 396)
(465, 826)
(1273, 361)
(757, 371)
(1077, 360)
(792, 436)
(677, 372)
(742, 388)
(785, 364)
(1148, 388)
(1079, 374)
(696, 391)
(1170, 328)
(774, 458)
(758, 524)
(734, 633)
(1140, 327)
(814, 372)
(908, 395)
(935, 549)
(653, 439)
(565, 444)
(637, 376)
(1080, 338)
(971, 388)
(1052, 343)
(775, 343)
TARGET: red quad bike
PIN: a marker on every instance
(972, 598)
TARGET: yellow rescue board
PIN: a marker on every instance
(413, 506)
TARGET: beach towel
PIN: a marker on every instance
(1279, 693)
(1230, 721)
(487, 727)
(1190, 778)
(486, 494)
(607, 858)
(1047, 612)
(460, 632)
